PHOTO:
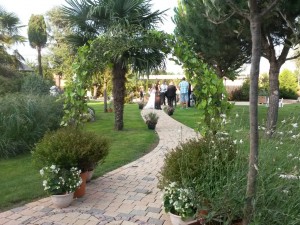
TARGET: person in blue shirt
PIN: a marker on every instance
(184, 93)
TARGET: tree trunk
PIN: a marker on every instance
(105, 95)
(119, 80)
(255, 26)
(273, 98)
(39, 49)
(95, 91)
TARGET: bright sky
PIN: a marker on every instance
(25, 8)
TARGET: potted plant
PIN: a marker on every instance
(170, 110)
(110, 106)
(61, 183)
(151, 120)
(180, 203)
(69, 147)
(141, 105)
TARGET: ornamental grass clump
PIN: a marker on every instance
(278, 186)
(58, 181)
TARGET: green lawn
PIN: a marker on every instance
(20, 182)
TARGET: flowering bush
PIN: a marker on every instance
(59, 180)
(179, 201)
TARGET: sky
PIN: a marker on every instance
(25, 8)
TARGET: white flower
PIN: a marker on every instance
(53, 167)
(289, 176)
(234, 142)
(241, 141)
(295, 125)
(223, 115)
(236, 115)
(285, 191)
(42, 172)
(283, 121)
(290, 155)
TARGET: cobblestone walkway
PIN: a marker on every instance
(127, 195)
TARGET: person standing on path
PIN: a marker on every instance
(184, 93)
(171, 94)
(163, 90)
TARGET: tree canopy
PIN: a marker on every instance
(121, 35)
(218, 44)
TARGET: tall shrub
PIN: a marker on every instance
(33, 84)
(287, 85)
(24, 119)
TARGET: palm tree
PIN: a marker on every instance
(9, 29)
(9, 35)
(123, 37)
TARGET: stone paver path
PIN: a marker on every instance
(127, 195)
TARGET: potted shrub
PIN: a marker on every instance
(170, 110)
(110, 106)
(61, 183)
(69, 147)
(141, 105)
(151, 120)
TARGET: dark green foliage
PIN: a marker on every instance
(24, 119)
(9, 85)
(32, 84)
(287, 85)
(225, 53)
(196, 158)
(242, 93)
(287, 93)
(37, 31)
(69, 147)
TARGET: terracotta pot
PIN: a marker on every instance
(62, 201)
(176, 220)
(89, 175)
(81, 189)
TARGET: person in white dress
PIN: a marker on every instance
(151, 100)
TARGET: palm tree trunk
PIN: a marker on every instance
(40, 61)
(273, 98)
(119, 79)
(255, 26)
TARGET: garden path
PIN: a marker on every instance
(127, 195)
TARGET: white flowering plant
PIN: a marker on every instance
(179, 201)
(60, 180)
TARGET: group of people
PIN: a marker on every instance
(159, 93)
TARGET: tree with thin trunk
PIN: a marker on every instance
(254, 12)
(37, 36)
